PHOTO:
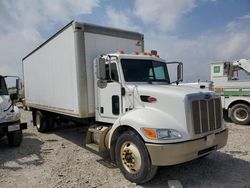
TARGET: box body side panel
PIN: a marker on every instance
(50, 75)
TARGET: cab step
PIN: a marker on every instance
(97, 137)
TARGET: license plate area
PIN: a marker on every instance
(210, 139)
(12, 128)
(207, 150)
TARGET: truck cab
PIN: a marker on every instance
(145, 121)
(10, 124)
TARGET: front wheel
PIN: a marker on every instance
(133, 159)
(15, 138)
(240, 114)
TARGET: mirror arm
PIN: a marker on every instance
(181, 72)
(110, 56)
(123, 91)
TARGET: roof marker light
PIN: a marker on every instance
(122, 51)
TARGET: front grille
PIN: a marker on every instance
(206, 115)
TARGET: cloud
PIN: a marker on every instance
(234, 45)
(239, 23)
(22, 23)
(199, 52)
(119, 19)
(14, 46)
(161, 13)
(247, 16)
(23, 13)
(5, 70)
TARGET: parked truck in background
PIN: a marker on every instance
(10, 123)
(140, 118)
(235, 92)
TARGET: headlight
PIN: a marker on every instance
(161, 134)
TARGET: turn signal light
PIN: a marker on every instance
(150, 133)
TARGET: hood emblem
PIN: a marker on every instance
(207, 97)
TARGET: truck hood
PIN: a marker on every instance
(180, 91)
(173, 103)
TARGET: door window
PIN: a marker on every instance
(113, 72)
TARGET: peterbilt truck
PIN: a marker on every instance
(234, 91)
(134, 112)
(10, 123)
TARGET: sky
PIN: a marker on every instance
(195, 32)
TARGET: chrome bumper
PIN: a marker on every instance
(176, 153)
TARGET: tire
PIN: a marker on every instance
(41, 122)
(15, 138)
(133, 158)
(51, 123)
(225, 116)
(240, 114)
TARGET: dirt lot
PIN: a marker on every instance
(58, 159)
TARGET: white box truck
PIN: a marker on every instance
(140, 118)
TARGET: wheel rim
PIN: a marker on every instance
(241, 114)
(38, 121)
(130, 157)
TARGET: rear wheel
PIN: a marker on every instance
(15, 138)
(41, 122)
(240, 114)
(133, 159)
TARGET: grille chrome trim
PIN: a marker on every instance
(206, 115)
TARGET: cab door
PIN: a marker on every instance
(109, 105)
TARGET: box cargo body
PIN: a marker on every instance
(58, 75)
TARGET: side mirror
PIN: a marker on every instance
(180, 72)
(13, 96)
(101, 69)
(18, 84)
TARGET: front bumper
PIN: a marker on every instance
(4, 126)
(176, 153)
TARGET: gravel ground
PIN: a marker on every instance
(58, 159)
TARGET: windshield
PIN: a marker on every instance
(140, 70)
(3, 88)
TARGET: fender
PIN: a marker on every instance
(148, 117)
(229, 102)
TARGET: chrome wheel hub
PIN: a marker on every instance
(38, 121)
(130, 156)
(241, 114)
